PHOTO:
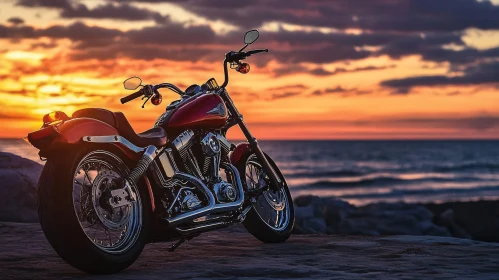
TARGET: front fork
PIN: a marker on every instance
(276, 182)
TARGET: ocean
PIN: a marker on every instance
(363, 172)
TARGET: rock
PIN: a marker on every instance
(478, 219)
(19, 178)
(447, 219)
(340, 217)
(335, 210)
(306, 222)
(315, 225)
(306, 200)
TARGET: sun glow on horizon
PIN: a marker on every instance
(53, 62)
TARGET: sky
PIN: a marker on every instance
(336, 69)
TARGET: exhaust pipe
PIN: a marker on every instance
(146, 160)
(212, 207)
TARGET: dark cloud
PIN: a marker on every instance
(340, 91)
(379, 15)
(322, 72)
(42, 45)
(477, 123)
(486, 73)
(288, 87)
(110, 11)
(76, 9)
(396, 28)
(282, 95)
(16, 20)
(44, 3)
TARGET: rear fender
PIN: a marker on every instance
(54, 137)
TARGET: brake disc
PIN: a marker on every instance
(111, 218)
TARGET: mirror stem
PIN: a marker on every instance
(243, 48)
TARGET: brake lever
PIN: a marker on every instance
(148, 97)
(148, 93)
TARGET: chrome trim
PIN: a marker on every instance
(183, 139)
(222, 207)
(210, 145)
(177, 197)
(169, 153)
(195, 213)
(113, 139)
(212, 206)
(192, 163)
(143, 164)
(204, 227)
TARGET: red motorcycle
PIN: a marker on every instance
(106, 191)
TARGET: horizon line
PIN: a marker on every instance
(343, 139)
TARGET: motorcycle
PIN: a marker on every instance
(106, 191)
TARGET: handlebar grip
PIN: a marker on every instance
(131, 97)
(256, 51)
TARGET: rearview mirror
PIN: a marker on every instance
(251, 36)
(132, 83)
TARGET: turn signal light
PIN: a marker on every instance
(54, 117)
(156, 99)
(243, 68)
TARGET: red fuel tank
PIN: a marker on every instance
(206, 111)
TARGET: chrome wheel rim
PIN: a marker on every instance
(113, 230)
(272, 207)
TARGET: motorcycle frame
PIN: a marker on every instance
(237, 118)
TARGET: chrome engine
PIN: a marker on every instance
(193, 186)
(202, 158)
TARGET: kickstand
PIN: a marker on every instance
(176, 245)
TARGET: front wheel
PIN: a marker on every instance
(272, 216)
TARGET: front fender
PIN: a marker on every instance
(241, 150)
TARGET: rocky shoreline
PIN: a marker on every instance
(314, 215)
(471, 220)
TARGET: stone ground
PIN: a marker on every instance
(234, 254)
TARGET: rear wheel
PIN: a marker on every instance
(271, 217)
(76, 215)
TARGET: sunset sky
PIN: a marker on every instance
(337, 69)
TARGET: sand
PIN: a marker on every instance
(234, 254)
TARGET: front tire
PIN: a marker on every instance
(266, 226)
(63, 219)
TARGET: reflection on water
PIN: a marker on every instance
(370, 171)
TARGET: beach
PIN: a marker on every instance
(333, 238)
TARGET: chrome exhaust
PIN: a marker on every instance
(212, 207)
(195, 213)
(141, 167)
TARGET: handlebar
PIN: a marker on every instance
(131, 96)
(256, 51)
(235, 57)
(150, 90)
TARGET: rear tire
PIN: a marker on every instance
(59, 221)
(253, 222)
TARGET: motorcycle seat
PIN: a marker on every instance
(155, 136)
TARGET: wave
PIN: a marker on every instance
(331, 174)
(383, 181)
(422, 192)
(476, 166)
